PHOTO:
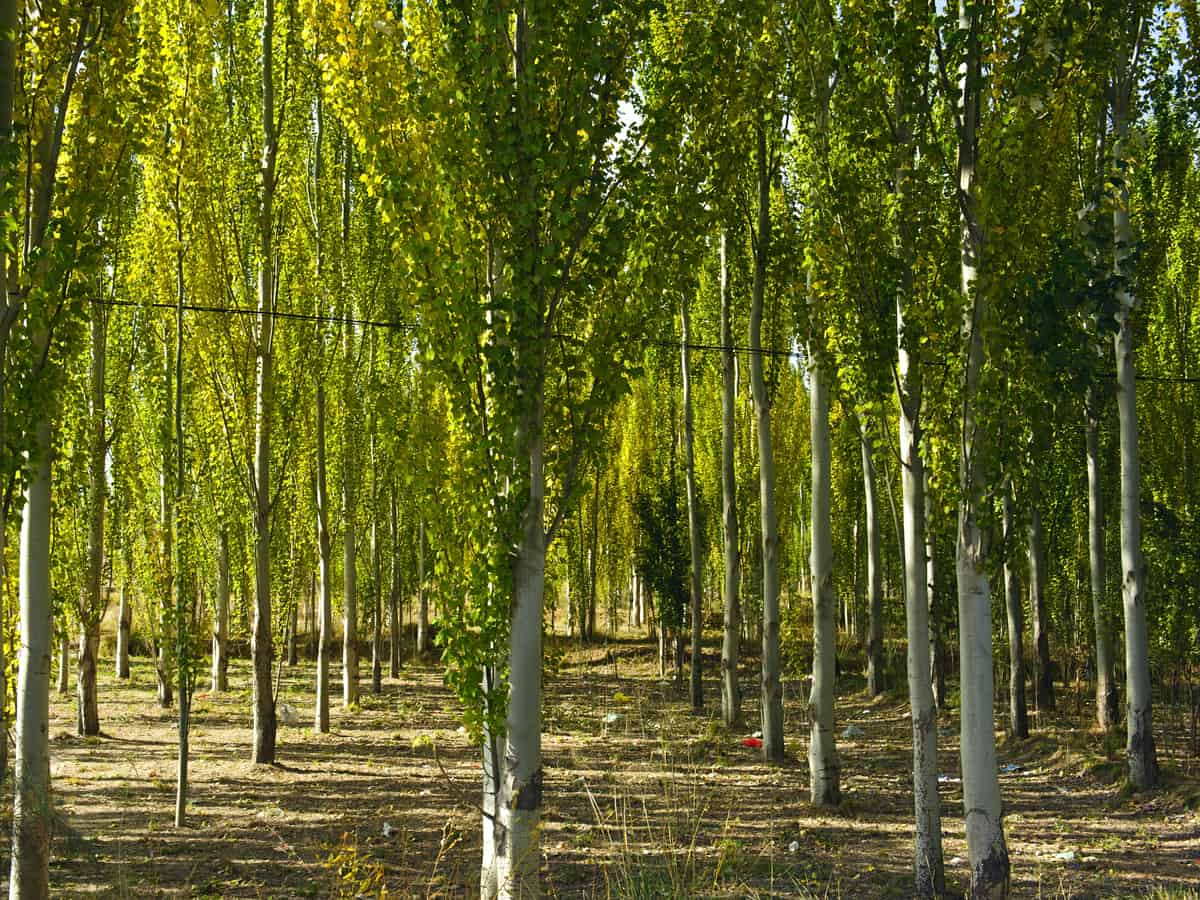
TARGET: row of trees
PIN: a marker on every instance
(386, 274)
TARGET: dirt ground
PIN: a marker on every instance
(653, 802)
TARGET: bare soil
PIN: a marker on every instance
(654, 802)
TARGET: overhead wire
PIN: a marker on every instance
(400, 325)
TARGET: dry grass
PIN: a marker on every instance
(656, 803)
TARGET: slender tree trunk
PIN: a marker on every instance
(261, 640)
(731, 694)
(1044, 686)
(181, 584)
(162, 656)
(1018, 718)
(394, 596)
(986, 847)
(376, 585)
(124, 628)
(1143, 759)
(64, 661)
(874, 573)
(519, 798)
(92, 610)
(696, 687)
(220, 645)
(823, 764)
(325, 612)
(1106, 689)
(422, 597)
(29, 875)
(8, 317)
(929, 874)
(772, 686)
(937, 644)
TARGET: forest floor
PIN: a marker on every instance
(654, 803)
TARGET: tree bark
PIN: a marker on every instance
(1106, 690)
(262, 641)
(823, 765)
(1139, 748)
(731, 694)
(696, 687)
(220, 645)
(394, 596)
(1044, 685)
(422, 597)
(325, 611)
(986, 847)
(64, 661)
(124, 629)
(874, 573)
(92, 610)
(772, 686)
(1017, 712)
(30, 871)
(929, 872)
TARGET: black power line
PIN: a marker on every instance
(413, 326)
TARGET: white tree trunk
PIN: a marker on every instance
(512, 855)
(1017, 711)
(1044, 682)
(325, 611)
(986, 847)
(220, 642)
(95, 602)
(693, 508)
(262, 640)
(823, 765)
(422, 597)
(394, 596)
(929, 873)
(1139, 747)
(772, 686)
(731, 694)
(1106, 693)
(874, 572)
(30, 872)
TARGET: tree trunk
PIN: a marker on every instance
(220, 644)
(325, 611)
(731, 694)
(124, 627)
(88, 718)
(937, 645)
(1143, 760)
(422, 597)
(823, 764)
(1106, 690)
(30, 872)
(93, 607)
(64, 663)
(394, 597)
(518, 800)
(1044, 684)
(696, 686)
(376, 600)
(261, 640)
(772, 686)
(1018, 718)
(929, 874)
(986, 847)
(874, 573)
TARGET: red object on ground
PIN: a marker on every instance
(755, 743)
